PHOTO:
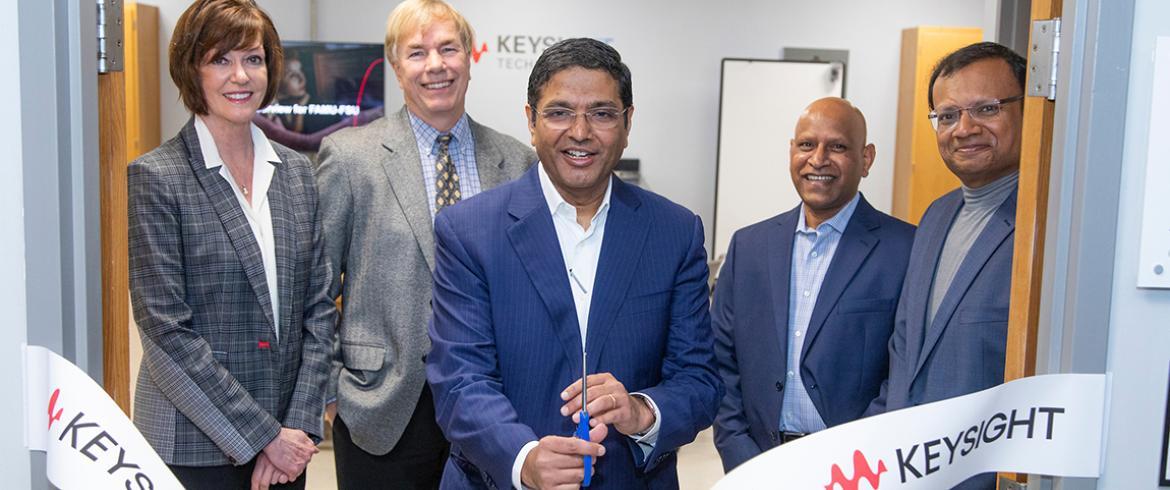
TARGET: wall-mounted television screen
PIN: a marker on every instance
(324, 87)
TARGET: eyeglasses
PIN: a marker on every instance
(559, 118)
(985, 111)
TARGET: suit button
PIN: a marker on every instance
(779, 386)
(773, 435)
(812, 386)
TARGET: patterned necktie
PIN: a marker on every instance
(446, 179)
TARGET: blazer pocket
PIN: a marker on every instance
(362, 357)
(985, 314)
(866, 306)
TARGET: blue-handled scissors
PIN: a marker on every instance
(583, 423)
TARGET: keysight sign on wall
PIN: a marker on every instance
(516, 51)
(1049, 425)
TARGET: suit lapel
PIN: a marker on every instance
(489, 162)
(535, 240)
(1001, 226)
(920, 273)
(284, 236)
(621, 250)
(779, 249)
(404, 173)
(235, 223)
(856, 243)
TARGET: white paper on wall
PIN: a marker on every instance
(1154, 262)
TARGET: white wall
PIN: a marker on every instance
(674, 50)
(14, 332)
(990, 26)
(1139, 340)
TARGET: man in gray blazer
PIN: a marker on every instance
(381, 186)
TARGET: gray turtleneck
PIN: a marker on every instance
(978, 207)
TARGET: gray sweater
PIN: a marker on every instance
(978, 206)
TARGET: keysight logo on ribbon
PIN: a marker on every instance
(861, 470)
(946, 451)
(1048, 425)
(928, 457)
(88, 441)
(97, 445)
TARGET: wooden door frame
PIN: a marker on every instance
(1031, 221)
(115, 281)
(1031, 218)
(115, 251)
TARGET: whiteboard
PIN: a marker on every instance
(759, 103)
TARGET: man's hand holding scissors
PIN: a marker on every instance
(609, 403)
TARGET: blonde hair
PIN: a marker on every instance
(412, 15)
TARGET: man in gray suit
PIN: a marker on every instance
(381, 186)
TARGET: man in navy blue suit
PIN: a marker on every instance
(951, 328)
(568, 259)
(804, 304)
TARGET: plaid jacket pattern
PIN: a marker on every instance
(215, 385)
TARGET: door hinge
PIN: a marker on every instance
(1010, 484)
(109, 33)
(1042, 58)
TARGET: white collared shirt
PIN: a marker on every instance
(580, 248)
(258, 212)
(581, 251)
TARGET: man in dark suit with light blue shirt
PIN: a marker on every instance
(564, 261)
(804, 304)
(951, 329)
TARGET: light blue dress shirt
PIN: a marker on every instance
(462, 151)
(812, 252)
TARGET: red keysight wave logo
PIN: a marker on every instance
(861, 470)
(53, 417)
(477, 52)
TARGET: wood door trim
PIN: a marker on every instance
(114, 237)
(1031, 223)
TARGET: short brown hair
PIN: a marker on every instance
(412, 15)
(210, 28)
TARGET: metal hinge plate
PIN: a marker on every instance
(1042, 58)
(109, 32)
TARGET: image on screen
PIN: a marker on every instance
(324, 87)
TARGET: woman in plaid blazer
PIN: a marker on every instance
(228, 274)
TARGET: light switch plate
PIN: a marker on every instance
(1154, 263)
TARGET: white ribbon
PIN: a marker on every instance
(1049, 425)
(88, 440)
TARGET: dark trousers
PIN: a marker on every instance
(415, 463)
(226, 477)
